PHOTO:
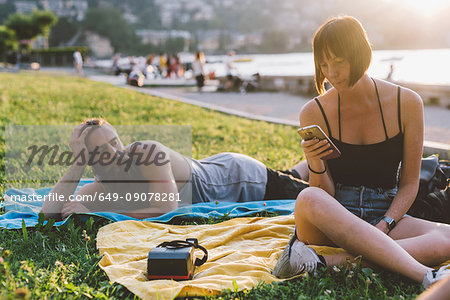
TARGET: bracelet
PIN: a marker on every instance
(309, 167)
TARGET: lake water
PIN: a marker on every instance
(418, 66)
(415, 66)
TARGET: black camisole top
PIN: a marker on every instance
(373, 165)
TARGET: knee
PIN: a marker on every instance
(310, 200)
(442, 249)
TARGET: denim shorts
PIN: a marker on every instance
(366, 203)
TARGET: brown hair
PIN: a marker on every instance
(344, 37)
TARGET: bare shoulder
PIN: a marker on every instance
(410, 99)
(407, 96)
(411, 107)
(146, 146)
(309, 107)
(411, 102)
(311, 114)
(149, 151)
(152, 158)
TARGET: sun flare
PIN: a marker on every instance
(426, 7)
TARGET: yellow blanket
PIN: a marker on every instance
(243, 249)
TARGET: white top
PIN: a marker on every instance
(229, 64)
(197, 67)
(77, 57)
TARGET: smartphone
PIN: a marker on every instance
(314, 131)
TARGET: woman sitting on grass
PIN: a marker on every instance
(354, 201)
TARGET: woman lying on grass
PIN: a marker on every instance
(147, 179)
(354, 201)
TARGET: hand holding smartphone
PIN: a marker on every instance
(314, 131)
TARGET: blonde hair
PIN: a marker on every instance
(96, 123)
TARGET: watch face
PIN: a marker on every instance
(390, 221)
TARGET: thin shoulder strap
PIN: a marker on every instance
(381, 110)
(399, 110)
(339, 116)
(324, 116)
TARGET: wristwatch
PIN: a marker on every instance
(391, 222)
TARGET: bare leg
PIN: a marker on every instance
(321, 220)
(412, 234)
(438, 291)
(302, 170)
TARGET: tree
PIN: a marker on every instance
(147, 13)
(93, 3)
(110, 23)
(148, 17)
(224, 42)
(174, 45)
(6, 9)
(7, 41)
(28, 27)
(274, 41)
(44, 19)
(63, 31)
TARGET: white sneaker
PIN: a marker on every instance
(296, 259)
(435, 275)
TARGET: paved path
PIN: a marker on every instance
(278, 107)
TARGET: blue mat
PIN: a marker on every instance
(29, 211)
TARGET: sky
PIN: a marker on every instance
(425, 7)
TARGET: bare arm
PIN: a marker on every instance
(314, 150)
(68, 183)
(412, 116)
(66, 186)
(81, 204)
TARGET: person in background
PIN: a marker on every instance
(133, 63)
(179, 66)
(115, 64)
(355, 201)
(197, 67)
(173, 67)
(78, 62)
(391, 73)
(229, 69)
(169, 62)
(148, 67)
(162, 67)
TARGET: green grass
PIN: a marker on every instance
(49, 262)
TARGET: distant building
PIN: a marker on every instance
(25, 7)
(183, 10)
(208, 40)
(160, 36)
(66, 8)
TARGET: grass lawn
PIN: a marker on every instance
(62, 262)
